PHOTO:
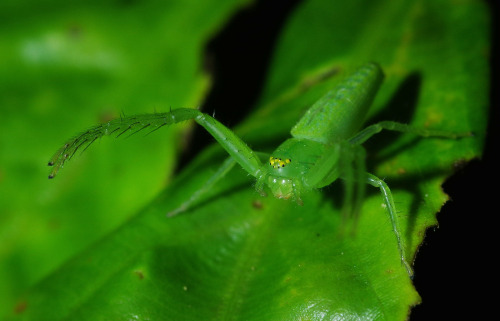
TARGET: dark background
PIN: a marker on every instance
(454, 268)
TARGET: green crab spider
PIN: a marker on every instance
(325, 146)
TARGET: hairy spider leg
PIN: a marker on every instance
(234, 146)
(347, 171)
(359, 175)
(226, 166)
(371, 130)
(391, 209)
(341, 160)
(221, 172)
(366, 134)
(346, 161)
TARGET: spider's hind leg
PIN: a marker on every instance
(359, 166)
(352, 171)
(371, 130)
(391, 209)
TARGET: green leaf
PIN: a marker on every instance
(239, 256)
(65, 67)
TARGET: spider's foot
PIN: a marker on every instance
(178, 210)
(407, 267)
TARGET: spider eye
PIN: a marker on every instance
(278, 162)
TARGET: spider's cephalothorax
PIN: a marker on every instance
(280, 184)
(284, 174)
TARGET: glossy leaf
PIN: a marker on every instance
(240, 256)
(65, 67)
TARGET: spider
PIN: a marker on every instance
(325, 145)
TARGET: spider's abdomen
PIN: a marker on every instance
(341, 112)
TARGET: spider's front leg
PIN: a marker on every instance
(221, 172)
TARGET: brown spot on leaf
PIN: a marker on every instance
(20, 307)
(257, 204)
(140, 274)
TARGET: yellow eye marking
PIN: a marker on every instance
(278, 162)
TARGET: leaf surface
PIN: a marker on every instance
(65, 67)
(239, 256)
